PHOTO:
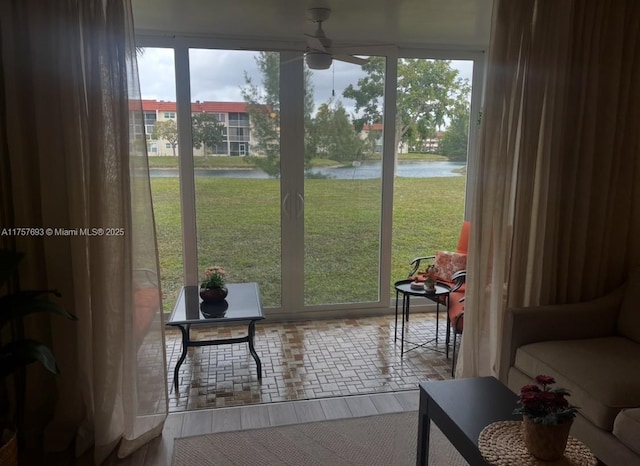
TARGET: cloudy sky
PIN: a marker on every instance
(217, 75)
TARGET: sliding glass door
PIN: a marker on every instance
(432, 134)
(235, 108)
(320, 185)
(342, 190)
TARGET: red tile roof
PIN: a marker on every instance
(162, 106)
(206, 106)
(373, 127)
(221, 107)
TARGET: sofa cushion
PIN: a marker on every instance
(455, 310)
(629, 317)
(600, 373)
(627, 428)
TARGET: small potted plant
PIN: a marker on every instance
(430, 277)
(212, 288)
(547, 418)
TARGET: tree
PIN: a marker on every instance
(419, 137)
(207, 131)
(166, 130)
(264, 112)
(428, 91)
(455, 139)
(334, 136)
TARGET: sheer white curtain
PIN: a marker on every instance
(556, 206)
(75, 157)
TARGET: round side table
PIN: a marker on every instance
(403, 287)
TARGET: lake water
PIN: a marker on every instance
(366, 170)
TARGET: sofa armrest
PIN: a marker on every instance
(591, 319)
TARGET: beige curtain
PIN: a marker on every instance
(75, 169)
(556, 205)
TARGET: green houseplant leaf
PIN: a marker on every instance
(15, 306)
(23, 303)
(19, 353)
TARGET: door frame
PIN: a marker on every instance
(292, 142)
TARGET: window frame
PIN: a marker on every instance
(181, 46)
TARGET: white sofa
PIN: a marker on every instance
(593, 350)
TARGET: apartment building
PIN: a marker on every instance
(233, 116)
(421, 145)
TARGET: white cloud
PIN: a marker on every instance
(335, 80)
(157, 74)
(217, 75)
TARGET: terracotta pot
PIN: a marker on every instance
(546, 442)
(213, 295)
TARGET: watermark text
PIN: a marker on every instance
(31, 231)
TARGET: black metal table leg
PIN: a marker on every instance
(405, 309)
(185, 346)
(395, 329)
(437, 320)
(448, 337)
(252, 350)
(405, 312)
(424, 427)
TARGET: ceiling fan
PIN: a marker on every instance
(319, 53)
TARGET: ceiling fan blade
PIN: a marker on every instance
(314, 43)
(359, 49)
(351, 59)
(300, 57)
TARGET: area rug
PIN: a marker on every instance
(385, 440)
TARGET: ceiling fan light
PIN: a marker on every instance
(318, 60)
(319, 13)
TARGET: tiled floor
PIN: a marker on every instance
(304, 360)
(314, 370)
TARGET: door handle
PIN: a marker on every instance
(300, 206)
(285, 205)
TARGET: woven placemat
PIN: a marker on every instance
(502, 444)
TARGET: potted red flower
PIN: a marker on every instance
(547, 418)
(212, 288)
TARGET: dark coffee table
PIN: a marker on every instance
(461, 409)
(242, 305)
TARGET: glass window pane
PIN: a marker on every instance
(342, 188)
(156, 68)
(433, 101)
(237, 201)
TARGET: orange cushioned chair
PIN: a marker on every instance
(455, 317)
(451, 271)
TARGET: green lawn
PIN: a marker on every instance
(238, 224)
(211, 161)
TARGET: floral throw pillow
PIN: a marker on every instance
(448, 263)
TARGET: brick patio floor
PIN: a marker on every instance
(304, 360)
